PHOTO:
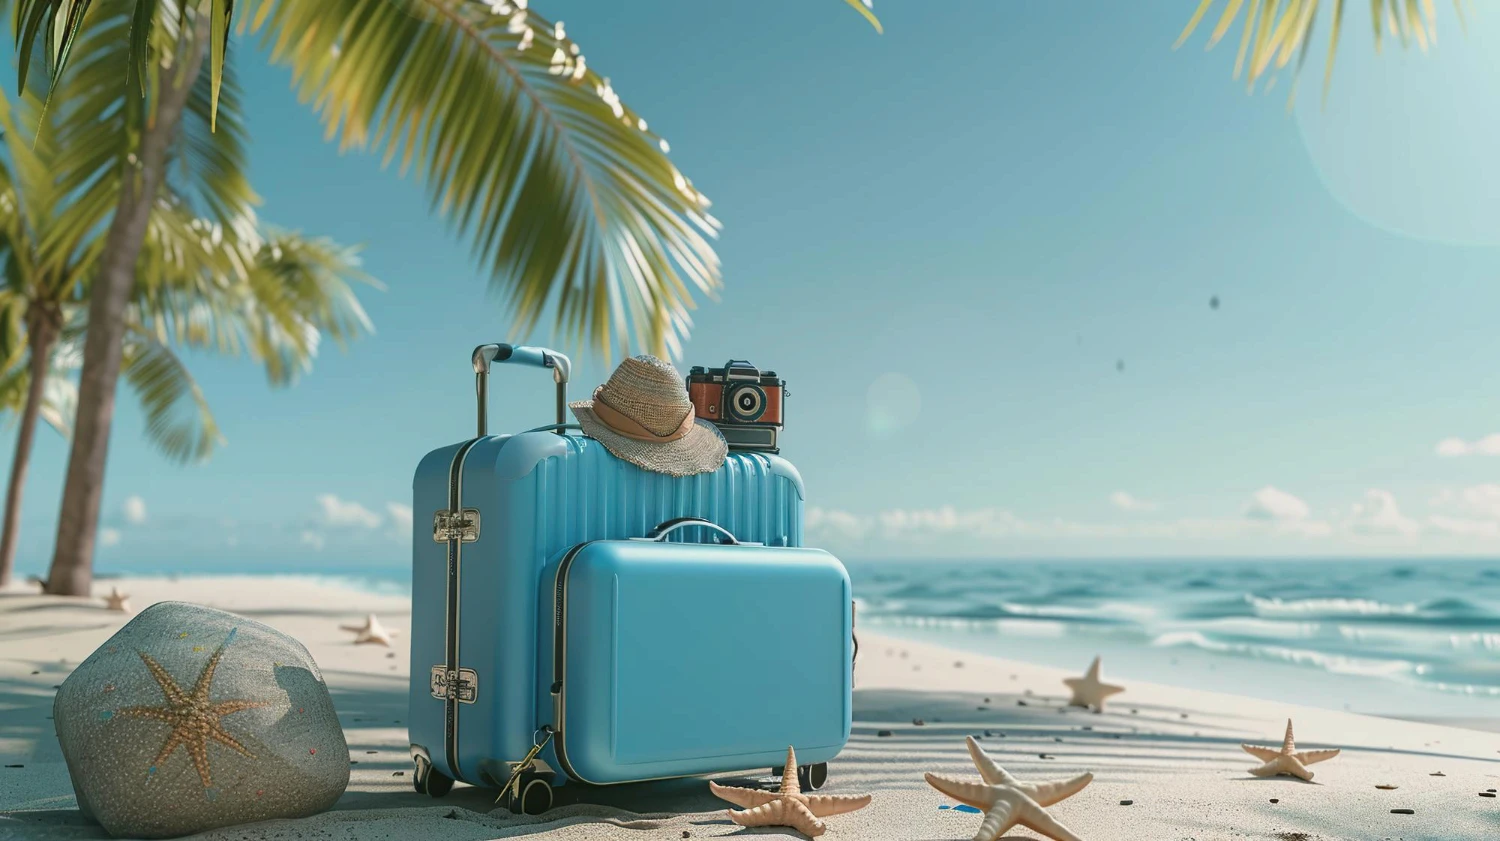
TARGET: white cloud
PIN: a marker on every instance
(135, 510)
(1464, 527)
(1379, 515)
(400, 520)
(1479, 500)
(313, 539)
(340, 512)
(1126, 502)
(832, 524)
(109, 537)
(1489, 445)
(1276, 505)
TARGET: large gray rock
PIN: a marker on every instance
(190, 718)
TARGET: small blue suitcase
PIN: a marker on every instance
(501, 507)
(679, 659)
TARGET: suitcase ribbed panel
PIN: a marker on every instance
(539, 493)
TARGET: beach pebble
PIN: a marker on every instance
(1403, 811)
(293, 765)
(1437, 774)
(1486, 794)
(883, 733)
(1045, 756)
(1386, 788)
(1126, 802)
(1020, 703)
(918, 722)
(959, 664)
(1275, 800)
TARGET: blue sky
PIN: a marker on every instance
(945, 238)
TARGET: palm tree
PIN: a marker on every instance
(1274, 31)
(274, 300)
(563, 192)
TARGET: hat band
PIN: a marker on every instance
(622, 424)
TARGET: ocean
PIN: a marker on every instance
(1415, 639)
(1411, 639)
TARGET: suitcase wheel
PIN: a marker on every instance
(533, 797)
(429, 780)
(812, 777)
(809, 777)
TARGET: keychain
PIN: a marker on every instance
(526, 762)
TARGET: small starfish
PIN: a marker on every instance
(1006, 801)
(117, 600)
(194, 718)
(1089, 691)
(371, 631)
(789, 806)
(1287, 760)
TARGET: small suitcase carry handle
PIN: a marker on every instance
(661, 532)
(536, 357)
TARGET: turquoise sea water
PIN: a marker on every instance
(1397, 638)
(1411, 639)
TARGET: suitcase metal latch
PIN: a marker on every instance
(462, 526)
(459, 684)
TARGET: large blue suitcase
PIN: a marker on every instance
(676, 659)
(500, 508)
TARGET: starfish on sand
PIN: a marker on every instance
(193, 716)
(789, 806)
(372, 631)
(1287, 760)
(117, 600)
(1006, 801)
(1089, 690)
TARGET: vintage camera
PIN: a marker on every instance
(744, 402)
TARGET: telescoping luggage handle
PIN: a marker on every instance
(538, 357)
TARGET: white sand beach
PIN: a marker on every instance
(1173, 754)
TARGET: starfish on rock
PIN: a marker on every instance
(1089, 691)
(193, 716)
(1287, 760)
(117, 600)
(1006, 801)
(372, 631)
(788, 806)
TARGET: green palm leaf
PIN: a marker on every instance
(563, 191)
(179, 423)
(1276, 30)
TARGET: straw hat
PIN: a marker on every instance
(643, 415)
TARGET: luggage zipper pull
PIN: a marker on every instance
(524, 764)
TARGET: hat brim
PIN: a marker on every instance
(701, 450)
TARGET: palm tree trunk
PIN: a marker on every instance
(72, 571)
(41, 336)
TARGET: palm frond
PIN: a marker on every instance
(99, 121)
(564, 193)
(864, 8)
(1276, 30)
(179, 423)
(59, 393)
(60, 24)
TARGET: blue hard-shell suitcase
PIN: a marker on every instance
(678, 659)
(500, 508)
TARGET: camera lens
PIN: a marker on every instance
(747, 403)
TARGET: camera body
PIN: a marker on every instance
(744, 402)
